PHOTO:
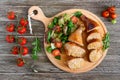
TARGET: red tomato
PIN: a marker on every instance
(15, 50)
(74, 19)
(22, 41)
(23, 22)
(58, 44)
(56, 52)
(20, 62)
(21, 29)
(57, 28)
(105, 14)
(10, 38)
(11, 15)
(23, 50)
(111, 9)
(10, 28)
(113, 15)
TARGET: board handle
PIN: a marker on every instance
(36, 13)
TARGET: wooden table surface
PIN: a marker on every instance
(109, 69)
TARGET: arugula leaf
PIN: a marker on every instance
(70, 24)
(36, 48)
(49, 35)
(49, 49)
(34, 55)
(51, 25)
(106, 41)
(55, 20)
(77, 14)
(58, 57)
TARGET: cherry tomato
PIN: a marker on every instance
(56, 52)
(23, 22)
(15, 50)
(20, 62)
(11, 15)
(23, 50)
(22, 41)
(10, 28)
(111, 9)
(57, 28)
(21, 29)
(105, 14)
(10, 38)
(74, 19)
(113, 15)
(58, 44)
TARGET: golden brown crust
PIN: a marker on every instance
(76, 37)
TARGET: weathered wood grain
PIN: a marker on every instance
(109, 69)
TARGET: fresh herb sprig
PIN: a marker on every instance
(106, 41)
(36, 49)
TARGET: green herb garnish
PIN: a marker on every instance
(77, 14)
(36, 48)
(55, 20)
(66, 17)
(49, 35)
(106, 41)
(51, 25)
(58, 57)
(61, 22)
(49, 49)
(70, 24)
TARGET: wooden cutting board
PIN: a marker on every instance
(61, 64)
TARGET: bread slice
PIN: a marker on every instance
(74, 50)
(94, 35)
(76, 37)
(95, 45)
(95, 55)
(76, 63)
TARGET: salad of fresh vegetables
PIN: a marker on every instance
(58, 32)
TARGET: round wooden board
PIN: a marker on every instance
(61, 64)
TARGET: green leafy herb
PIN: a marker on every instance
(49, 35)
(61, 22)
(66, 17)
(64, 38)
(49, 49)
(106, 41)
(58, 57)
(55, 20)
(77, 14)
(70, 24)
(51, 25)
(36, 48)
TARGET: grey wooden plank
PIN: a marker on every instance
(111, 64)
(59, 76)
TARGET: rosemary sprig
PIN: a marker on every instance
(36, 49)
(106, 41)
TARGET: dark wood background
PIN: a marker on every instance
(109, 69)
